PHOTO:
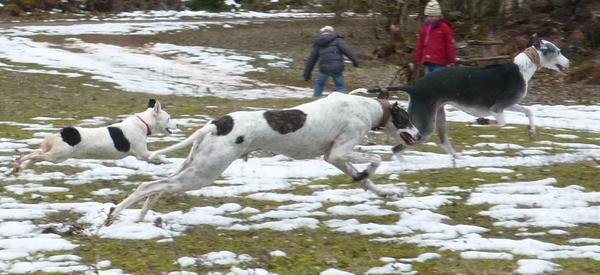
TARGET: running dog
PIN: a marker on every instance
(112, 142)
(478, 91)
(331, 126)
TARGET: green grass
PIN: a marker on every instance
(24, 96)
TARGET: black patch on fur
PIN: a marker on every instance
(285, 121)
(224, 125)
(361, 176)
(535, 40)
(549, 50)
(399, 117)
(239, 140)
(119, 140)
(151, 103)
(70, 135)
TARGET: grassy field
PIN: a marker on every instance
(309, 251)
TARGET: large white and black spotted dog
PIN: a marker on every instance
(478, 91)
(331, 126)
(115, 141)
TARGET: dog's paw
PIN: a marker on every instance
(110, 217)
(482, 121)
(531, 131)
(158, 159)
(386, 194)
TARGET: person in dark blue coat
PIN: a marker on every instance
(329, 48)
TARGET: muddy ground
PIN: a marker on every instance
(293, 39)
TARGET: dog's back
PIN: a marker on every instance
(501, 85)
(305, 131)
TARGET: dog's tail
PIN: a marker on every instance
(197, 136)
(359, 91)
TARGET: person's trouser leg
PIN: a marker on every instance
(430, 68)
(320, 84)
(340, 85)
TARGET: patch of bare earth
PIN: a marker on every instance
(293, 38)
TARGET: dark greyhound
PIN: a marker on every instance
(478, 91)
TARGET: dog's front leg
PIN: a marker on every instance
(157, 158)
(528, 113)
(442, 128)
(150, 156)
(344, 163)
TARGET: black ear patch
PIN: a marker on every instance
(399, 117)
(70, 135)
(285, 121)
(535, 40)
(224, 125)
(151, 103)
(119, 140)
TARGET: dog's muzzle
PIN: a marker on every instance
(407, 138)
(562, 69)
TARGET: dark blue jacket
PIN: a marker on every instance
(330, 48)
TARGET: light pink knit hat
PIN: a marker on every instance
(433, 8)
(327, 29)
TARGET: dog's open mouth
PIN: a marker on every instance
(561, 68)
(407, 138)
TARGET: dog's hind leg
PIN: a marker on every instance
(528, 113)
(145, 190)
(203, 165)
(442, 127)
(151, 200)
(25, 161)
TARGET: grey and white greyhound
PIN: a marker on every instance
(330, 126)
(478, 91)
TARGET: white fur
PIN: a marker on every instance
(96, 142)
(333, 126)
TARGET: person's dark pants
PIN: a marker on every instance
(430, 68)
(338, 79)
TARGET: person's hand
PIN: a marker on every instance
(451, 65)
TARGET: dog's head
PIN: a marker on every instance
(550, 55)
(400, 127)
(157, 119)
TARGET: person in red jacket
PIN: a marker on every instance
(435, 47)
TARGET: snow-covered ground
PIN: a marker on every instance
(541, 207)
(154, 68)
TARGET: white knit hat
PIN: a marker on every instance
(327, 29)
(433, 8)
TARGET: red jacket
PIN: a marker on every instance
(436, 44)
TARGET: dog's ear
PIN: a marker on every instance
(157, 107)
(535, 41)
(151, 103)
